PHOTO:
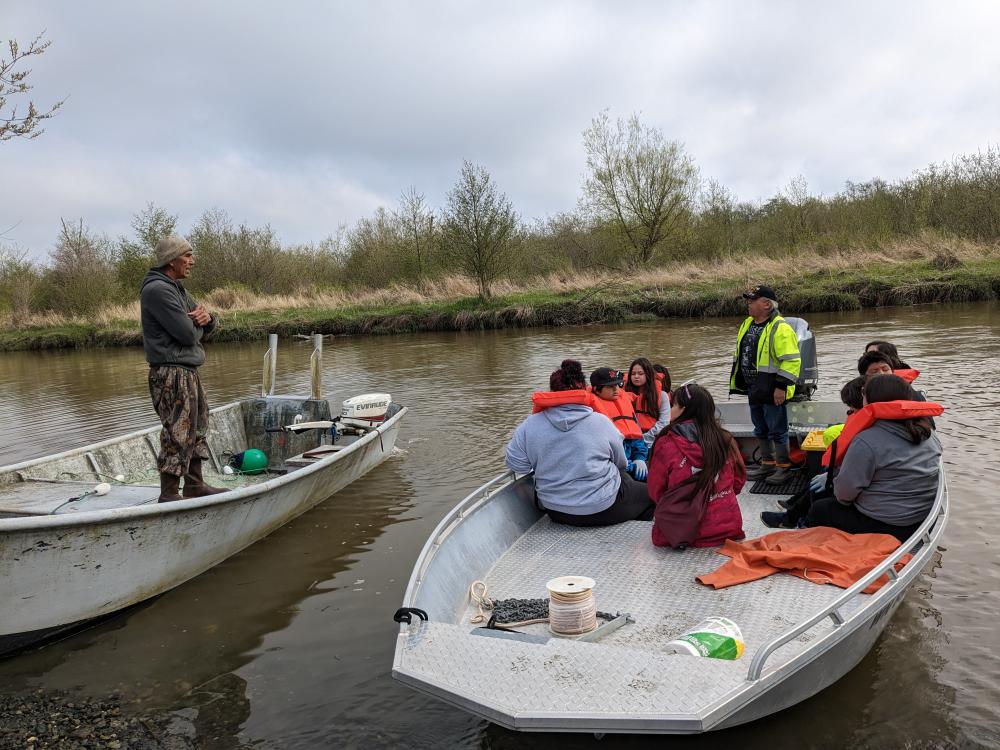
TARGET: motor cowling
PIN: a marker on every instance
(367, 411)
(809, 367)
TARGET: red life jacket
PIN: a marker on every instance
(864, 418)
(620, 412)
(908, 375)
(542, 400)
(646, 420)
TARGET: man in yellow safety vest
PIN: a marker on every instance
(766, 368)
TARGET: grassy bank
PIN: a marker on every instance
(904, 274)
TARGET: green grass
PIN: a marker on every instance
(891, 284)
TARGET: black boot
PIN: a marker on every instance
(169, 486)
(784, 466)
(766, 465)
(194, 483)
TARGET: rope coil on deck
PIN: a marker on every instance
(572, 607)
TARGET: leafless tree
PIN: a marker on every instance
(639, 181)
(480, 227)
(416, 223)
(14, 83)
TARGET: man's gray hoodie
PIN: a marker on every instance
(169, 336)
(887, 476)
(575, 454)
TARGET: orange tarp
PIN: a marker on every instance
(819, 554)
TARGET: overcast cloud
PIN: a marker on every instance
(311, 115)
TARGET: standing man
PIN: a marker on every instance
(766, 368)
(172, 330)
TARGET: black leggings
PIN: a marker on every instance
(631, 504)
(831, 512)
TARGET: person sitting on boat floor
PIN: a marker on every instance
(889, 350)
(650, 401)
(611, 400)
(695, 443)
(577, 456)
(821, 485)
(888, 478)
(173, 328)
(664, 373)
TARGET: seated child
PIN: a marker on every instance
(614, 403)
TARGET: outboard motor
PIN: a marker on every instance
(367, 411)
(809, 368)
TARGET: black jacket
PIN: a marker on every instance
(169, 336)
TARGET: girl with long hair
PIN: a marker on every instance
(695, 444)
(651, 403)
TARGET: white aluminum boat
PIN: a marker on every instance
(67, 557)
(800, 636)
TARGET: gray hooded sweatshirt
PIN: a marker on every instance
(888, 477)
(169, 336)
(575, 454)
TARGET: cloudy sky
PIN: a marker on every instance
(310, 115)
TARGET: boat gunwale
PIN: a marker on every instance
(84, 518)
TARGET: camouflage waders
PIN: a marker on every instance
(180, 401)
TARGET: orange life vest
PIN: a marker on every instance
(908, 375)
(542, 400)
(864, 418)
(620, 412)
(646, 420)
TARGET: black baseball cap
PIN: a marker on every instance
(760, 291)
(603, 376)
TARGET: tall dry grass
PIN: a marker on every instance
(744, 270)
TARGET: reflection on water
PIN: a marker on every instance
(289, 643)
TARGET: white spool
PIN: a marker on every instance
(572, 607)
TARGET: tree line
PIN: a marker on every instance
(644, 203)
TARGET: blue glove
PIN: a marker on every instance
(818, 482)
(639, 470)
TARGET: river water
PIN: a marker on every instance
(289, 644)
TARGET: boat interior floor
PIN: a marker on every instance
(629, 669)
(44, 497)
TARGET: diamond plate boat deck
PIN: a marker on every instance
(800, 637)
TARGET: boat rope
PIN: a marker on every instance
(572, 613)
(479, 595)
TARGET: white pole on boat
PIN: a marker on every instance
(316, 368)
(270, 365)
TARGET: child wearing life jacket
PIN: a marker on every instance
(650, 401)
(888, 457)
(577, 457)
(695, 444)
(852, 396)
(614, 403)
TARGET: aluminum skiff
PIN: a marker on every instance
(801, 637)
(65, 562)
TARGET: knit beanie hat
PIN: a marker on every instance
(171, 247)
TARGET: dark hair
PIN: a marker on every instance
(717, 444)
(650, 392)
(569, 377)
(894, 388)
(662, 369)
(853, 393)
(869, 358)
(889, 350)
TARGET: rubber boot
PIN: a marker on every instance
(783, 464)
(169, 486)
(194, 483)
(766, 464)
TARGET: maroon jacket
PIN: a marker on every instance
(675, 452)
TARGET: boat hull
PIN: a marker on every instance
(62, 570)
